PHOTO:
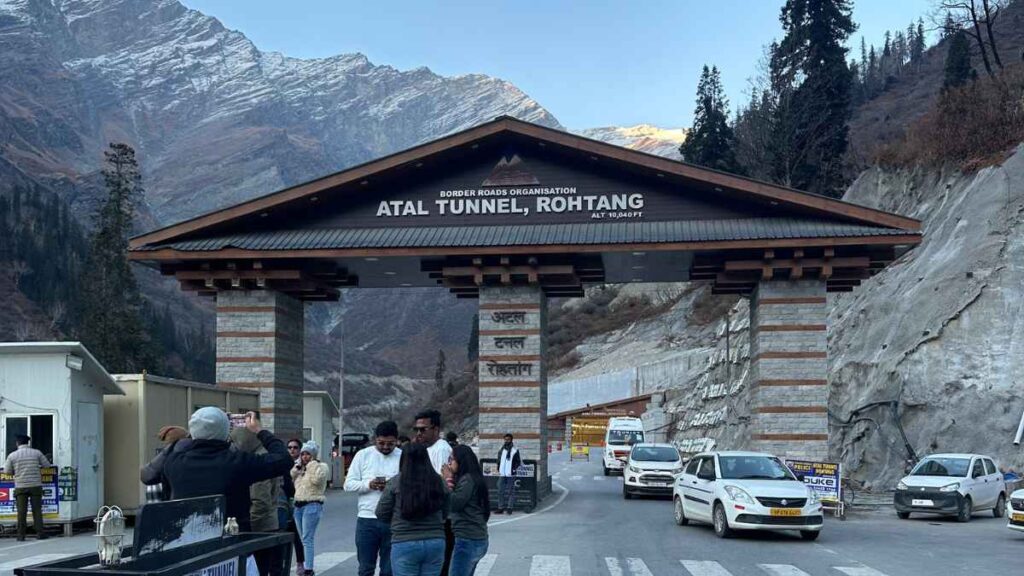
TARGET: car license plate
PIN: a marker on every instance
(1016, 517)
(785, 511)
(916, 502)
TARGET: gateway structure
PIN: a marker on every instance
(562, 212)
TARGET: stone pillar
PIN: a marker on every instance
(513, 379)
(789, 363)
(259, 347)
(655, 419)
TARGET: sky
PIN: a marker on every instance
(591, 64)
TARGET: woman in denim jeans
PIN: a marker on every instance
(471, 508)
(415, 503)
(310, 478)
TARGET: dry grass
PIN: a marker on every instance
(969, 127)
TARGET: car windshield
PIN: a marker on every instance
(754, 468)
(624, 437)
(655, 454)
(942, 467)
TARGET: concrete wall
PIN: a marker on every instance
(565, 395)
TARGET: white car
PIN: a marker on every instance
(651, 470)
(953, 485)
(745, 491)
(1015, 511)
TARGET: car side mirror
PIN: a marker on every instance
(800, 477)
(706, 476)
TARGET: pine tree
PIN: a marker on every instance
(111, 312)
(439, 371)
(710, 142)
(812, 58)
(918, 45)
(958, 68)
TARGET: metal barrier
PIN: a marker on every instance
(175, 538)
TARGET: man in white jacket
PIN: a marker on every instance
(369, 471)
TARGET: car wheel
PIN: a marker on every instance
(903, 515)
(810, 535)
(721, 522)
(626, 494)
(680, 513)
(606, 471)
(1000, 508)
(963, 514)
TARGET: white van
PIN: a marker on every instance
(622, 434)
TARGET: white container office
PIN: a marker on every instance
(53, 392)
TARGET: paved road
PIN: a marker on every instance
(588, 529)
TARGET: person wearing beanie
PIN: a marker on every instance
(152, 474)
(310, 478)
(208, 466)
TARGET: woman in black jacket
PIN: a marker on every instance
(471, 508)
(416, 504)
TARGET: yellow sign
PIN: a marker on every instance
(785, 511)
(580, 452)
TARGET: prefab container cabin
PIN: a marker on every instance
(53, 392)
(133, 420)
(319, 422)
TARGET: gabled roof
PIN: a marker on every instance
(210, 223)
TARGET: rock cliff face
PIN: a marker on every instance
(938, 333)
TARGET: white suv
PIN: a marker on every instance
(651, 469)
(748, 491)
(952, 484)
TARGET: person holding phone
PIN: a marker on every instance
(310, 477)
(368, 474)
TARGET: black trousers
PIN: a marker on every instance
(300, 555)
(449, 546)
(269, 561)
(23, 497)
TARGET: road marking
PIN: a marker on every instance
(782, 570)
(556, 476)
(576, 478)
(550, 566)
(327, 560)
(613, 566)
(704, 568)
(29, 561)
(598, 477)
(859, 571)
(565, 492)
(485, 565)
(637, 567)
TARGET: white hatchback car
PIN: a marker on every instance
(747, 491)
(952, 484)
(651, 470)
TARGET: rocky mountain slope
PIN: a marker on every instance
(937, 333)
(643, 137)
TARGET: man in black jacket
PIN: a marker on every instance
(208, 466)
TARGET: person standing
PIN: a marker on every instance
(368, 474)
(158, 488)
(428, 432)
(294, 448)
(415, 504)
(26, 464)
(470, 511)
(263, 508)
(508, 465)
(209, 467)
(310, 477)
(452, 439)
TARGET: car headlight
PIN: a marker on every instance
(902, 486)
(812, 497)
(950, 487)
(634, 469)
(737, 494)
(676, 471)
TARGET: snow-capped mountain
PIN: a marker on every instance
(643, 137)
(214, 119)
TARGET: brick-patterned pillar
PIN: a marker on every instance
(789, 361)
(513, 379)
(259, 347)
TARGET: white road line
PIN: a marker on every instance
(327, 560)
(782, 570)
(576, 478)
(30, 560)
(613, 566)
(705, 568)
(859, 571)
(599, 477)
(637, 567)
(565, 492)
(550, 566)
(485, 565)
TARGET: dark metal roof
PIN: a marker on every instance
(534, 235)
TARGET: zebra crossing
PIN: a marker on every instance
(544, 565)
